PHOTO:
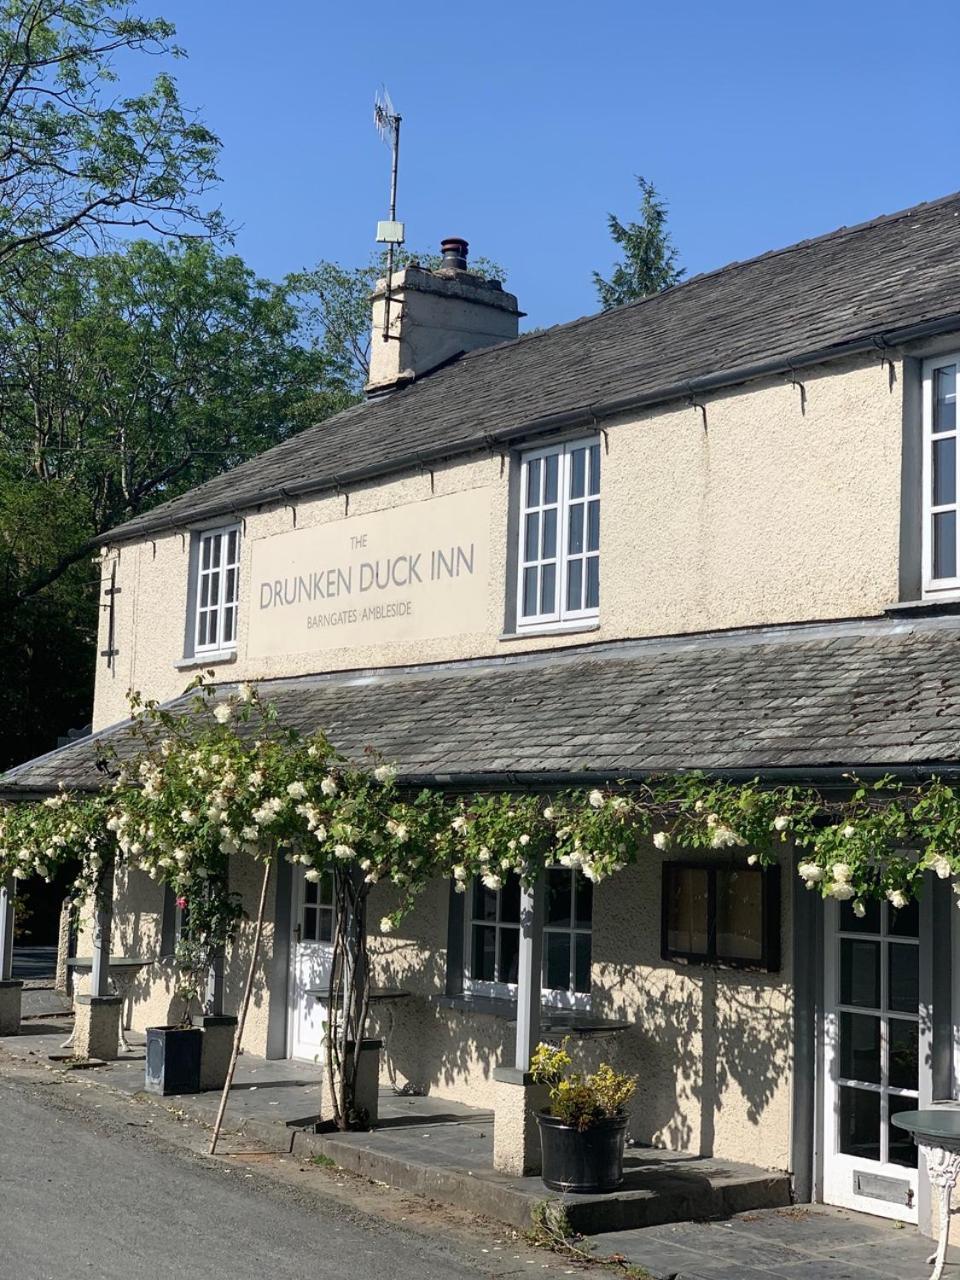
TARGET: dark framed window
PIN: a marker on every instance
(721, 914)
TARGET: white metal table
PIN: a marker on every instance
(936, 1131)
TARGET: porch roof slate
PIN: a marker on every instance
(808, 302)
(882, 693)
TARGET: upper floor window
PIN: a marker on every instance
(940, 572)
(217, 589)
(493, 938)
(559, 555)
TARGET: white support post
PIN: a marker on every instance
(102, 929)
(8, 891)
(529, 971)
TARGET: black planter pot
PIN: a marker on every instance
(173, 1059)
(585, 1160)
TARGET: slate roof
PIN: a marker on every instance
(880, 694)
(849, 290)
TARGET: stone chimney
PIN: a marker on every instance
(435, 315)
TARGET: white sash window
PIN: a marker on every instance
(940, 556)
(217, 589)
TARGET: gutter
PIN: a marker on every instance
(569, 419)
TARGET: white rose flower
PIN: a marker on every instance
(492, 881)
(459, 823)
(524, 840)
(848, 831)
(398, 830)
(661, 840)
(188, 817)
(245, 692)
(313, 875)
(222, 712)
(942, 867)
(483, 853)
(385, 773)
(595, 799)
(459, 886)
(841, 891)
(296, 790)
(781, 822)
(548, 813)
(343, 851)
(386, 925)
(841, 872)
(459, 873)
(752, 860)
(329, 786)
(859, 909)
(897, 898)
(810, 872)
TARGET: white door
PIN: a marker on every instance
(311, 957)
(872, 1058)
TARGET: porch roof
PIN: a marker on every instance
(878, 694)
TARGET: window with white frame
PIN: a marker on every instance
(493, 938)
(940, 563)
(559, 552)
(217, 589)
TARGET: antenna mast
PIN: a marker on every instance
(391, 233)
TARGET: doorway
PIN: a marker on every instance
(311, 957)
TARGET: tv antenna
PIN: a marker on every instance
(390, 233)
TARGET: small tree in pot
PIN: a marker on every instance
(583, 1130)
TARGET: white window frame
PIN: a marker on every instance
(325, 908)
(937, 586)
(559, 615)
(555, 998)
(208, 537)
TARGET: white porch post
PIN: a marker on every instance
(8, 891)
(102, 929)
(529, 971)
(516, 1139)
(98, 1012)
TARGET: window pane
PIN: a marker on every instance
(309, 924)
(687, 910)
(529, 592)
(575, 533)
(739, 915)
(232, 547)
(205, 553)
(309, 891)
(559, 896)
(593, 583)
(229, 624)
(212, 628)
(531, 540)
(593, 527)
(548, 588)
(549, 547)
(509, 954)
(551, 472)
(214, 581)
(326, 926)
(945, 398)
(533, 483)
(906, 922)
(510, 900)
(584, 900)
(904, 977)
(581, 957)
(903, 1150)
(945, 544)
(556, 961)
(860, 1047)
(202, 629)
(870, 923)
(860, 973)
(231, 594)
(859, 1123)
(944, 471)
(595, 468)
(484, 963)
(204, 591)
(904, 1054)
(484, 902)
(575, 584)
(216, 546)
(578, 477)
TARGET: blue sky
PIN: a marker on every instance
(525, 122)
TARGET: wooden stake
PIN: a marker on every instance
(228, 1083)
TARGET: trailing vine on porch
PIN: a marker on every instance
(189, 791)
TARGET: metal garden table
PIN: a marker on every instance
(936, 1131)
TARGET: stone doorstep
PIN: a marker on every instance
(512, 1200)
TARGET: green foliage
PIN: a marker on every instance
(335, 303)
(649, 262)
(576, 1099)
(77, 159)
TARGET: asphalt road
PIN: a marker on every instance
(97, 1199)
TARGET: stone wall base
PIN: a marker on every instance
(218, 1036)
(11, 990)
(97, 1026)
(516, 1138)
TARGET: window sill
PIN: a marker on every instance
(575, 1022)
(218, 656)
(571, 629)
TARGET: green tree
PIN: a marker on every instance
(125, 379)
(336, 311)
(649, 262)
(76, 161)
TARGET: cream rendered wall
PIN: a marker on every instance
(766, 515)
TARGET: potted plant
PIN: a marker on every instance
(583, 1130)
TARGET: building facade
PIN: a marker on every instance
(713, 530)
